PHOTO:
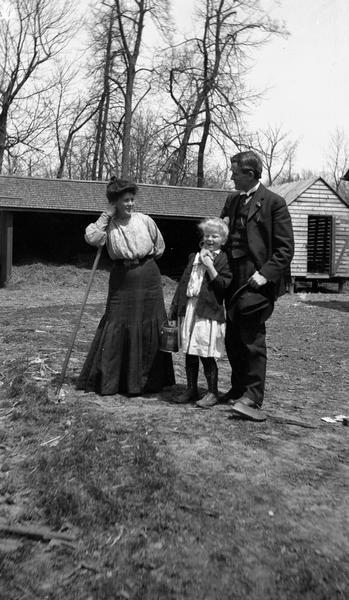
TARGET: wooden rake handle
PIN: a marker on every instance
(75, 331)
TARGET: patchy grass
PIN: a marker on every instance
(27, 399)
(92, 479)
(166, 501)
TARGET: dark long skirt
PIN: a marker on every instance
(124, 356)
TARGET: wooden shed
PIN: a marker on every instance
(320, 218)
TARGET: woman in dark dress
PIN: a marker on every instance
(124, 356)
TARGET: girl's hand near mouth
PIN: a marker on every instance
(206, 257)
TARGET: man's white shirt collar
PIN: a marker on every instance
(250, 192)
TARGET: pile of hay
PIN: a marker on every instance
(58, 276)
(55, 275)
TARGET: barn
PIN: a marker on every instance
(320, 218)
(44, 220)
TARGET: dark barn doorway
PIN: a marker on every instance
(59, 239)
(181, 238)
(51, 237)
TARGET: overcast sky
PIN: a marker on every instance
(306, 74)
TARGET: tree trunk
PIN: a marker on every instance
(103, 133)
(126, 134)
(202, 145)
(96, 151)
(104, 110)
(181, 154)
(63, 157)
(3, 137)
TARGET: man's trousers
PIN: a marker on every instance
(245, 335)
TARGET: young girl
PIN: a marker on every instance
(198, 304)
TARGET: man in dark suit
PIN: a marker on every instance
(260, 247)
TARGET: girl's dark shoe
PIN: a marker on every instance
(211, 374)
(190, 395)
(192, 372)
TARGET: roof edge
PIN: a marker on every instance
(307, 183)
(104, 182)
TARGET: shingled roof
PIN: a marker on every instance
(291, 191)
(79, 197)
(67, 195)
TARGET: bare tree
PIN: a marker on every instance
(80, 114)
(71, 111)
(206, 78)
(337, 157)
(101, 31)
(130, 18)
(122, 71)
(29, 138)
(276, 149)
(146, 160)
(34, 33)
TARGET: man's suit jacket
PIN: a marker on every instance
(269, 234)
(212, 292)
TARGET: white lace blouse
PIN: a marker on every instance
(137, 238)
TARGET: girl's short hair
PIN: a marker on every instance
(217, 223)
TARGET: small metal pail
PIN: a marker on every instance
(169, 338)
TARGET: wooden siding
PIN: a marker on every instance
(319, 200)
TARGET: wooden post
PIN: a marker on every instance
(315, 285)
(341, 283)
(6, 245)
(292, 286)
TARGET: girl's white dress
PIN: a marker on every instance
(203, 337)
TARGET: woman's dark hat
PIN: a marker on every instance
(116, 187)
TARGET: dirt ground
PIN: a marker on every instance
(258, 510)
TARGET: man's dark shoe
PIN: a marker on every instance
(246, 408)
(243, 400)
(228, 396)
(208, 400)
(187, 397)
